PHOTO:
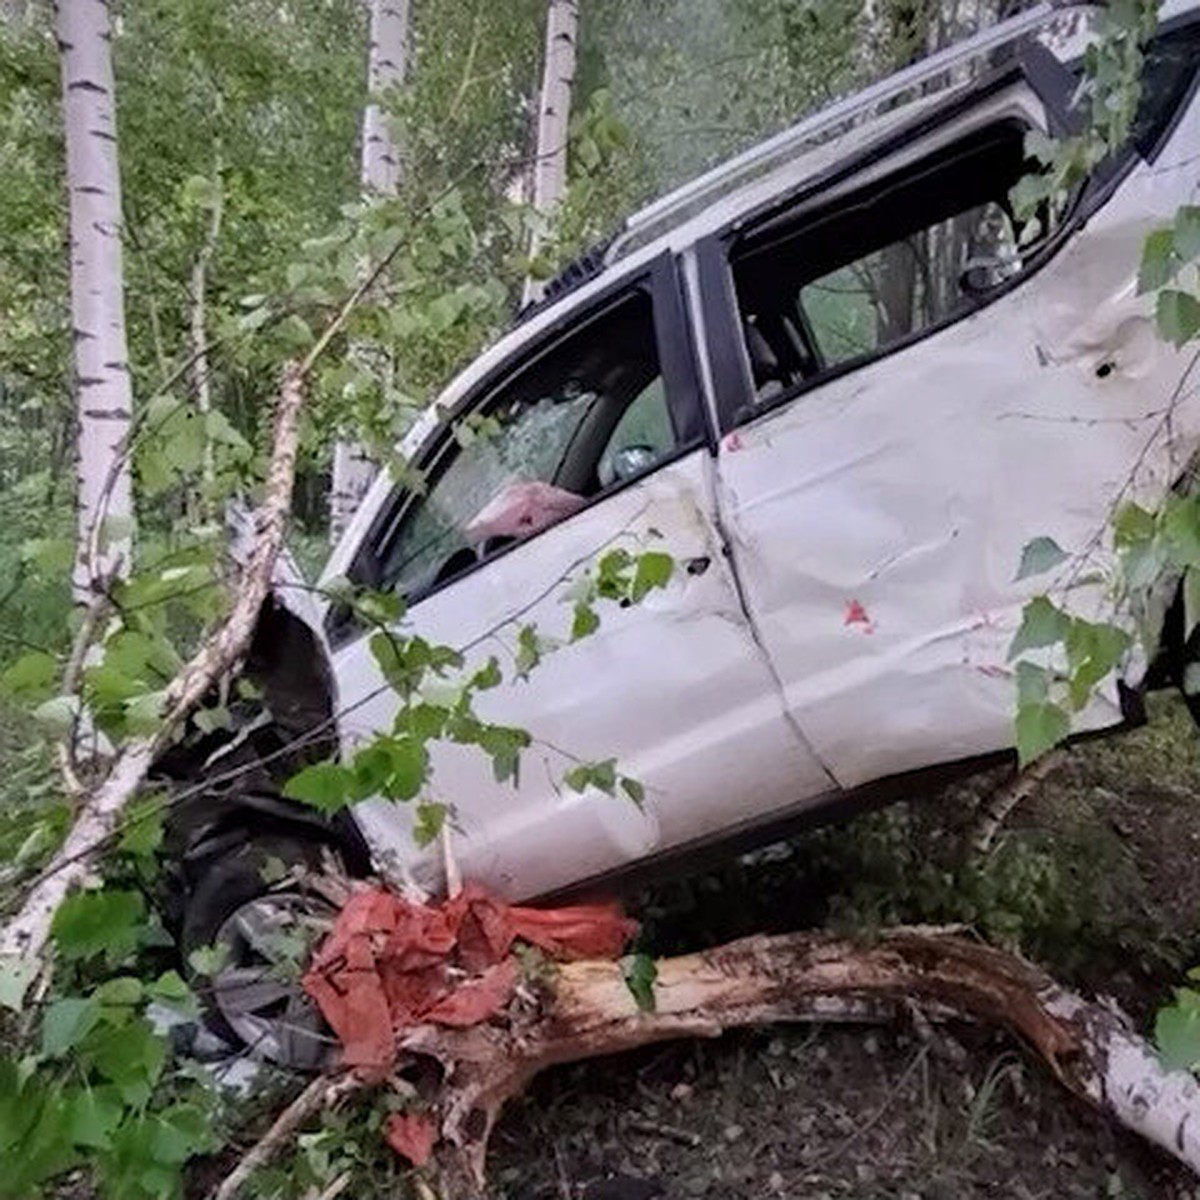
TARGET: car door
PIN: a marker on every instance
(908, 396)
(589, 438)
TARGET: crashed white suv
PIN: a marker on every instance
(830, 382)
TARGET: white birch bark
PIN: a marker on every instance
(201, 380)
(103, 394)
(387, 54)
(553, 126)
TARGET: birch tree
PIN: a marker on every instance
(387, 54)
(553, 124)
(103, 394)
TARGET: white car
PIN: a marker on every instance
(830, 382)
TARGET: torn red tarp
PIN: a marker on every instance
(412, 1136)
(390, 964)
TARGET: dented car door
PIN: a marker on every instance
(594, 439)
(911, 392)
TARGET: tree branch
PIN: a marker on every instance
(25, 934)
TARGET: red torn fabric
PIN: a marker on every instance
(389, 965)
(475, 1000)
(412, 1136)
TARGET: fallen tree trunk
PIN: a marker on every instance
(23, 938)
(586, 1010)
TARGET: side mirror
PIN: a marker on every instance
(633, 460)
(983, 273)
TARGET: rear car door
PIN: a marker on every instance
(909, 394)
(592, 437)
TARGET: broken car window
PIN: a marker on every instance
(529, 454)
(898, 257)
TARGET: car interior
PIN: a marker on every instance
(586, 414)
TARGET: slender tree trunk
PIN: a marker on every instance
(554, 118)
(387, 56)
(103, 394)
(201, 377)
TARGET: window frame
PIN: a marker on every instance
(737, 400)
(660, 281)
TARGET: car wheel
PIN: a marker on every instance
(260, 937)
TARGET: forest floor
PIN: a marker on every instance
(1096, 879)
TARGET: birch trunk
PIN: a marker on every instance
(201, 379)
(387, 54)
(103, 395)
(554, 118)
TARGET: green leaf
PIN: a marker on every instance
(206, 961)
(634, 789)
(66, 1023)
(1159, 262)
(1177, 1032)
(131, 1056)
(293, 331)
(600, 775)
(1042, 624)
(1181, 526)
(16, 974)
(408, 767)
(142, 827)
(654, 570)
(640, 973)
(504, 745)
(1133, 524)
(92, 923)
(91, 1116)
(585, 622)
(1040, 727)
(1040, 555)
(1033, 683)
(430, 820)
(1187, 232)
(1178, 316)
(324, 785)
(529, 650)
(32, 672)
(123, 990)
(1191, 600)
(58, 713)
(578, 778)
(1094, 649)
(488, 676)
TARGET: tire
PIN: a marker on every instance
(253, 997)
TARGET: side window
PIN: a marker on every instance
(642, 437)
(898, 257)
(535, 448)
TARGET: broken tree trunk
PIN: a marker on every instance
(586, 1010)
(24, 936)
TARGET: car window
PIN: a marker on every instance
(897, 258)
(916, 281)
(528, 453)
(642, 437)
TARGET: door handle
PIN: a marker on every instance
(698, 565)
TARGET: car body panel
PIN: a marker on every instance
(878, 520)
(854, 617)
(618, 691)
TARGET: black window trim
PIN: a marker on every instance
(660, 279)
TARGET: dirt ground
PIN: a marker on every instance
(1096, 879)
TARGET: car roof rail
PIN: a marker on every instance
(684, 202)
